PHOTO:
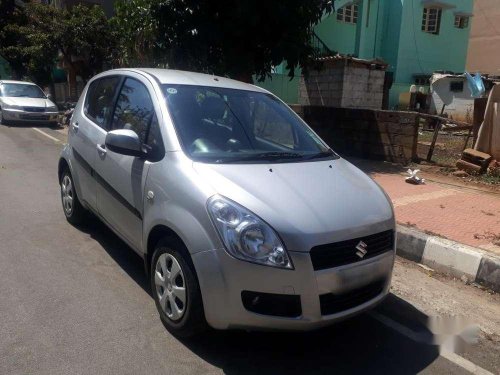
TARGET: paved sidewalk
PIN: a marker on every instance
(455, 212)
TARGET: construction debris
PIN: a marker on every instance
(428, 269)
(474, 162)
(414, 179)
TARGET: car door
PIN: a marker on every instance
(121, 178)
(87, 128)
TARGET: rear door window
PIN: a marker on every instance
(99, 101)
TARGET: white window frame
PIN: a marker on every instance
(431, 20)
(348, 14)
(461, 22)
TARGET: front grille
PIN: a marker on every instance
(344, 252)
(34, 109)
(334, 303)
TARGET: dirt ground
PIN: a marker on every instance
(447, 152)
(448, 148)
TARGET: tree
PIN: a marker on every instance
(36, 36)
(137, 33)
(29, 42)
(86, 40)
(11, 17)
(240, 38)
(7, 10)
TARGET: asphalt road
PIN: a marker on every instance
(76, 301)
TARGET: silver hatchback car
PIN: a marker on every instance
(244, 217)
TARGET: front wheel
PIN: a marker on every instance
(73, 210)
(176, 290)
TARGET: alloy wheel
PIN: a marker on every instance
(170, 286)
(67, 195)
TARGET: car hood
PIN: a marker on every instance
(28, 102)
(307, 203)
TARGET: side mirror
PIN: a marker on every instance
(125, 142)
(49, 96)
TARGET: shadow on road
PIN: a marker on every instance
(358, 345)
(118, 250)
(376, 166)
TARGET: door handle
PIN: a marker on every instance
(75, 126)
(101, 149)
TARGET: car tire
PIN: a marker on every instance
(73, 210)
(176, 290)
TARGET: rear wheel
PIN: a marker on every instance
(73, 210)
(176, 290)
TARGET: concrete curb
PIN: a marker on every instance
(449, 257)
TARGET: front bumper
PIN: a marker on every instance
(223, 279)
(24, 116)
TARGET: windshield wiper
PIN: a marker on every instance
(322, 154)
(270, 156)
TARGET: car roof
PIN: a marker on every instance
(180, 77)
(12, 81)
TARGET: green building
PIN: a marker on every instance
(415, 37)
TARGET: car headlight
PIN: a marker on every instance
(52, 109)
(245, 235)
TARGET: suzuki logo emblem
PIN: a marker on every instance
(361, 247)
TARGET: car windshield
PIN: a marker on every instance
(221, 125)
(18, 90)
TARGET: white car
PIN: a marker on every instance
(25, 102)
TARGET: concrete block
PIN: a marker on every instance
(410, 243)
(449, 256)
(452, 257)
(469, 167)
(489, 273)
(477, 157)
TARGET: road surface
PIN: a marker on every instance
(76, 301)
